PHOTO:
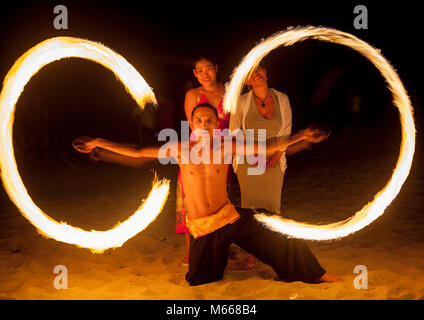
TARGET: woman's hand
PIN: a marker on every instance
(84, 144)
(274, 160)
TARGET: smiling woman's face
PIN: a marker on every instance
(257, 78)
(205, 72)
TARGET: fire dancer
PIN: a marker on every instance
(214, 223)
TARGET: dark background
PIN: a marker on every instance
(160, 39)
(337, 177)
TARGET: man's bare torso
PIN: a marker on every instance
(205, 187)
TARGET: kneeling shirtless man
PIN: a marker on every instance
(214, 223)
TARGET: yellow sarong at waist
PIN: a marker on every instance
(205, 225)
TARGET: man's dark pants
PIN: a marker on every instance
(291, 259)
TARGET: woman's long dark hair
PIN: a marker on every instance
(195, 61)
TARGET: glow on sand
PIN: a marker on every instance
(384, 197)
(24, 68)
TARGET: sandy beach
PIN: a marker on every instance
(320, 186)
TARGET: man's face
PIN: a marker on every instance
(205, 72)
(205, 118)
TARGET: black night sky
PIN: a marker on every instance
(75, 96)
(160, 39)
(326, 83)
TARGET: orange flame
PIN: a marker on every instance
(384, 197)
(24, 68)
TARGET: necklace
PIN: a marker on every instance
(262, 101)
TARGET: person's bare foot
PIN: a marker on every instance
(326, 277)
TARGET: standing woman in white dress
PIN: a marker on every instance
(262, 108)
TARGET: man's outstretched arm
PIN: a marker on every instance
(100, 154)
(149, 152)
(280, 143)
(298, 147)
(86, 145)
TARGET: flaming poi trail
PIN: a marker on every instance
(384, 197)
(24, 68)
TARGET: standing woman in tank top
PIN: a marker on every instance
(262, 108)
(212, 92)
